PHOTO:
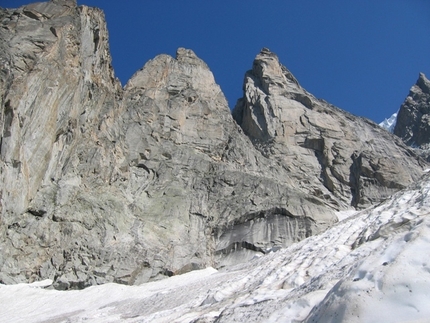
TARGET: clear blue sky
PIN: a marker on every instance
(362, 56)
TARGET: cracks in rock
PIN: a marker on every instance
(265, 148)
(304, 121)
(198, 214)
(38, 213)
(54, 31)
(354, 178)
(33, 14)
(263, 214)
(96, 38)
(8, 119)
(239, 245)
(303, 99)
(320, 149)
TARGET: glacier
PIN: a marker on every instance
(372, 266)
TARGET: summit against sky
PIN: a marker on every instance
(362, 56)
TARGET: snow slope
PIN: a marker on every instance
(373, 266)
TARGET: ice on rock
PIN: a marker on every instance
(390, 123)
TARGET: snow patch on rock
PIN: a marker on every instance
(390, 123)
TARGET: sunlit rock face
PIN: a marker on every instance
(101, 183)
(343, 159)
(58, 150)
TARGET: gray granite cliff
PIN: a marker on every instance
(101, 183)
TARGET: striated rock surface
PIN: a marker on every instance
(101, 183)
(104, 184)
(413, 120)
(193, 174)
(58, 92)
(341, 158)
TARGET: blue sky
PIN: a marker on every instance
(362, 56)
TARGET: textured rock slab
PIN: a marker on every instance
(105, 184)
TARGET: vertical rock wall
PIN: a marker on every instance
(101, 183)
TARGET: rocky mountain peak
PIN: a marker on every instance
(423, 83)
(413, 120)
(270, 71)
(47, 49)
(310, 137)
(69, 3)
(183, 72)
(266, 65)
(184, 55)
(267, 79)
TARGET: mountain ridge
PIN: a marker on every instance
(108, 184)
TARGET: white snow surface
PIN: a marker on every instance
(390, 123)
(373, 266)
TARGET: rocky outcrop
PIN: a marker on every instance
(106, 184)
(413, 120)
(102, 183)
(341, 158)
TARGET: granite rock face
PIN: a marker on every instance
(413, 120)
(341, 158)
(57, 93)
(104, 184)
(101, 183)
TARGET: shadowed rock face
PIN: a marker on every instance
(102, 183)
(413, 119)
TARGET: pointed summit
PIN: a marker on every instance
(267, 52)
(258, 112)
(271, 73)
(423, 83)
(413, 121)
(184, 55)
(327, 148)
